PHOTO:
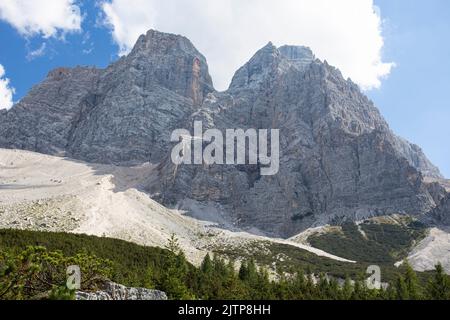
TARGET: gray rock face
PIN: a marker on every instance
(339, 158)
(114, 291)
(123, 114)
(441, 214)
(43, 120)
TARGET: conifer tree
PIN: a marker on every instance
(401, 289)
(390, 293)
(174, 272)
(411, 282)
(439, 286)
(299, 286)
(347, 289)
(310, 288)
(206, 266)
(173, 244)
(334, 291)
(358, 291)
(323, 287)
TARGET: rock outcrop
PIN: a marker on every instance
(441, 214)
(339, 158)
(114, 291)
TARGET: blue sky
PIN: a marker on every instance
(413, 97)
(25, 71)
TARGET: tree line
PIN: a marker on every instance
(37, 272)
(218, 279)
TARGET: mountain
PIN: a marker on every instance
(339, 159)
(121, 114)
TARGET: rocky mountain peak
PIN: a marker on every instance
(296, 52)
(266, 62)
(298, 55)
(273, 62)
(161, 43)
(173, 62)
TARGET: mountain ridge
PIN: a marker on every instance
(340, 160)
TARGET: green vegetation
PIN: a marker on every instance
(131, 263)
(36, 273)
(33, 266)
(439, 286)
(288, 259)
(371, 242)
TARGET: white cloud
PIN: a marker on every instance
(128, 20)
(39, 52)
(347, 33)
(6, 91)
(48, 18)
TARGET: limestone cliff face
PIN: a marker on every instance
(339, 158)
(123, 114)
(43, 120)
(441, 214)
(139, 101)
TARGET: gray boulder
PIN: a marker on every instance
(114, 291)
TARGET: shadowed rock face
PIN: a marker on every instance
(339, 159)
(441, 214)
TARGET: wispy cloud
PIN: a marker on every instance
(39, 52)
(87, 43)
(88, 51)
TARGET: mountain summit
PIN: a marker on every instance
(339, 158)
